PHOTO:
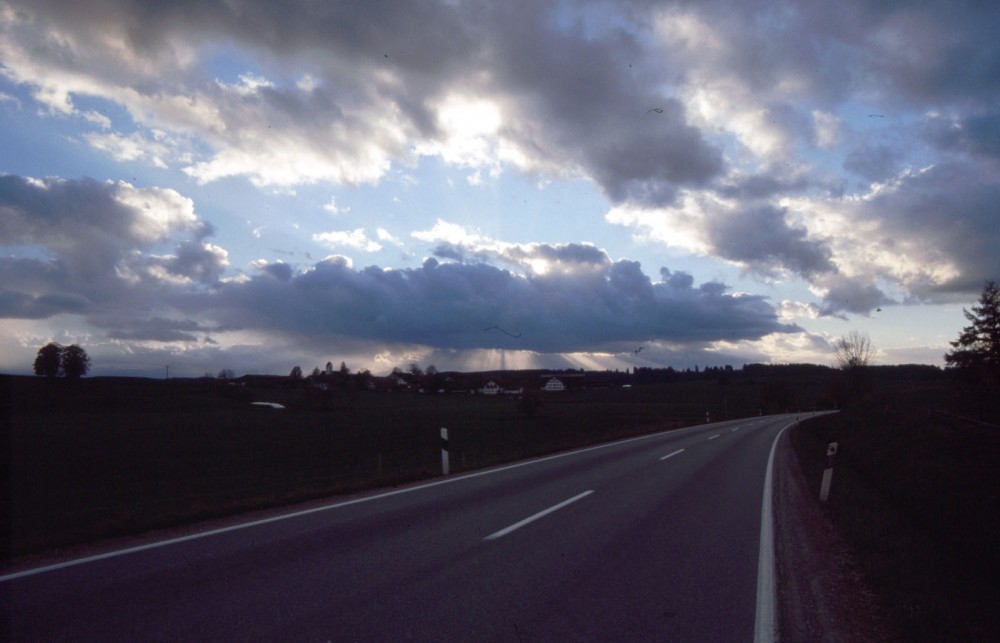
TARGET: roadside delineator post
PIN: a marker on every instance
(824, 488)
(444, 451)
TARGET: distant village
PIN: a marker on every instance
(519, 382)
(434, 381)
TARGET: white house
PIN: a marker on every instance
(554, 385)
(491, 388)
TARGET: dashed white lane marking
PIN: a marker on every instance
(541, 514)
(670, 455)
(714, 436)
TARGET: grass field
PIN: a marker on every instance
(916, 493)
(106, 456)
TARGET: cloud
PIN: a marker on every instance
(735, 131)
(133, 147)
(99, 260)
(935, 228)
(21, 305)
(537, 98)
(447, 306)
(279, 270)
(457, 243)
(873, 162)
(976, 133)
(95, 245)
(332, 207)
(764, 238)
(159, 330)
(857, 295)
(356, 238)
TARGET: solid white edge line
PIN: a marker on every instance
(337, 505)
(534, 517)
(670, 455)
(765, 626)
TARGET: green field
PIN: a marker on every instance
(105, 456)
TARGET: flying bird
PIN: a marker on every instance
(876, 116)
(502, 331)
(636, 351)
(658, 110)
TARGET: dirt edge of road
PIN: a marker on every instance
(821, 594)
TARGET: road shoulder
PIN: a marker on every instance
(821, 594)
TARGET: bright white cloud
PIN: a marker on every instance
(332, 207)
(357, 238)
(134, 147)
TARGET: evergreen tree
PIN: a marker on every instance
(977, 349)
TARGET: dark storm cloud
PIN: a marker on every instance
(852, 296)
(977, 134)
(570, 254)
(531, 257)
(96, 244)
(925, 52)
(156, 329)
(761, 238)
(448, 306)
(20, 305)
(279, 270)
(764, 186)
(576, 103)
(80, 221)
(948, 215)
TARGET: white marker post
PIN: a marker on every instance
(824, 487)
(444, 451)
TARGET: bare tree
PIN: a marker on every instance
(853, 353)
(853, 350)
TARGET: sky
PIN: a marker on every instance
(187, 187)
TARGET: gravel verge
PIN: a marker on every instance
(821, 592)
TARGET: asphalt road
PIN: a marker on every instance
(656, 538)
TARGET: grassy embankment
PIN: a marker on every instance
(916, 494)
(107, 456)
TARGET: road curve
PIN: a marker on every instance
(655, 538)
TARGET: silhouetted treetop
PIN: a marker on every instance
(977, 349)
